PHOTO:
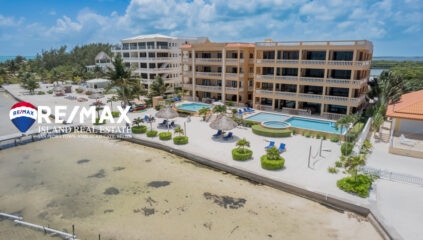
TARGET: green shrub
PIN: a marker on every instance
(272, 164)
(78, 90)
(241, 154)
(97, 121)
(158, 107)
(151, 133)
(307, 134)
(88, 93)
(50, 91)
(324, 136)
(332, 170)
(180, 140)
(318, 136)
(294, 131)
(352, 135)
(229, 104)
(338, 164)
(243, 122)
(366, 148)
(183, 113)
(262, 131)
(334, 138)
(115, 114)
(40, 93)
(360, 186)
(139, 129)
(165, 136)
(347, 148)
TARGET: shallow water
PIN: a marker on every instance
(126, 191)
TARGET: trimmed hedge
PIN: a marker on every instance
(180, 140)
(115, 114)
(50, 91)
(183, 113)
(139, 129)
(272, 164)
(334, 138)
(246, 123)
(165, 136)
(241, 154)
(262, 131)
(349, 147)
(360, 187)
(40, 93)
(152, 133)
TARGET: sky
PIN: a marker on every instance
(394, 26)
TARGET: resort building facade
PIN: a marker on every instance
(218, 72)
(326, 78)
(154, 55)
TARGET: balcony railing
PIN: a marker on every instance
(287, 78)
(232, 60)
(310, 96)
(313, 62)
(286, 61)
(250, 75)
(251, 60)
(358, 100)
(186, 85)
(362, 63)
(186, 60)
(208, 74)
(231, 89)
(250, 89)
(285, 94)
(313, 80)
(208, 60)
(208, 88)
(270, 77)
(338, 81)
(233, 75)
(188, 73)
(143, 59)
(264, 92)
(336, 99)
(265, 61)
(340, 63)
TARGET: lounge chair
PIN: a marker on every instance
(176, 99)
(281, 147)
(179, 99)
(271, 144)
(250, 109)
(172, 124)
(228, 136)
(240, 111)
(219, 133)
(146, 118)
(406, 141)
(246, 111)
(163, 123)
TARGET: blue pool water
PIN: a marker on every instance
(314, 124)
(192, 107)
(275, 124)
(265, 117)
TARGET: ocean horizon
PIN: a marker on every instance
(5, 58)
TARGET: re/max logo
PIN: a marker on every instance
(23, 111)
(60, 113)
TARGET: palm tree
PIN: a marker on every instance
(111, 100)
(121, 77)
(219, 109)
(98, 71)
(137, 121)
(273, 153)
(158, 87)
(204, 111)
(179, 131)
(29, 83)
(352, 162)
(242, 143)
(150, 120)
(345, 121)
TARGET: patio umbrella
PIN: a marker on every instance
(167, 113)
(223, 123)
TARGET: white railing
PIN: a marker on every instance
(250, 88)
(265, 77)
(208, 74)
(363, 136)
(241, 60)
(313, 62)
(231, 89)
(286, 94)
(250, 75)
(338, 81)
(264, 92)
(340, 63)
(187, 73)
(286, 78)
(187, 60)
(208, 60)
(232, 60)
(310, 96)
(392, 176)
(251, 60)
(233, 75)
(307, 79)
(358, 100)
(265, 61)
(241, 75)
(287, 61)
(336, 99)
(266, 44)
(362, 63)
(187, 86)
(208, 88)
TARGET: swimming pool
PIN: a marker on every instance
(266, 117)
(314, 124)
(192, 107)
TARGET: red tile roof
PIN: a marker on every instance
(240, 45)
(186, 46)
(410, 107)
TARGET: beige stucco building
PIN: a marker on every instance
(326, 78)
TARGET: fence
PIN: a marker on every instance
(362, 137)
(391, 176)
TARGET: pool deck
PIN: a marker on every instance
(397, 205)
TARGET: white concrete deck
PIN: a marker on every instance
(400, 205)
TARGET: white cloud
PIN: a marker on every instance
(9, 21)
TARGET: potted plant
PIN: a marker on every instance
(272, 160)
(241, 153)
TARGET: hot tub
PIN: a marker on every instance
(275, 124)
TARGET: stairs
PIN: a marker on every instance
(385, 131)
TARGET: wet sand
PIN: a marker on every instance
(126, 191)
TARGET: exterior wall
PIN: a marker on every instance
(410, 126)
(406, 152)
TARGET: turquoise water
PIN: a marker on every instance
(313, 124)
(5, 58)
(275, 124)
(192, 107)
(265, 117)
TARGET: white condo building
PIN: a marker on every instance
(155, 54)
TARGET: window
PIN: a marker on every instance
(269, 55)
(343, 56)
(290, 55)
(316, 55)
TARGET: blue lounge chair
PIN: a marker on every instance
(240, 111)
(146, 118)
(176, 99)
(179, 99)
(247, 110)
(271, 144)
(250, 109)
(219, 132)
(163, 123)
(172, 124)
(281, 147)
(228, 136)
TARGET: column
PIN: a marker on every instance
(193, 74)
(223, 75)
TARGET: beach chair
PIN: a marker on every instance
(250, 109)
(172, 124)
(163, 123)
(228, 136)
(176, 99)
(406, 141)
(271, 144)
(240, 112)
(246, 111)
(281, 147)
(219, 133)
(179, 99)
(146, 118)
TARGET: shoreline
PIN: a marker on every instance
(334, 202)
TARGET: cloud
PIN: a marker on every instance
(9, 21)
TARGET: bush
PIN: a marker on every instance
(272, 164)
(324, 136)
(165, 136)
(50, 91)
(97, 121)
(151, 133)
(332, 170)
(334, 138)
(338, 164)
(307, 134)
(88, 93)
(229, 104)
(243, 122)
(294, 131)
(360, 186)
(318, 136)
(347, 148)
(366, 148)
(139, 129)
(41, 93)
(184, 113)
(262, 131)
(115, 114)
(352, 135)
(158, 107)
(78, 90)
(241, 154)
(180, 140)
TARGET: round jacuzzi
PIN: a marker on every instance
(275, 124)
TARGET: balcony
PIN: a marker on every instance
(231, 75)
(269, 77)
(233, 89)
(310, 96)
(340, 63)
(287, 61)
(187, 60)
(187, 85)
(343, 100)
(313, 62)
(287, 78)
(144, 59)
(232, 60)
(346, 82)
(264, 92)
(265, 61)
(208, 88)
(250, 89)
(311, 80)
(286, 94)
(187, 73)
(208, 60)
(208, 74)
(250, 75)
